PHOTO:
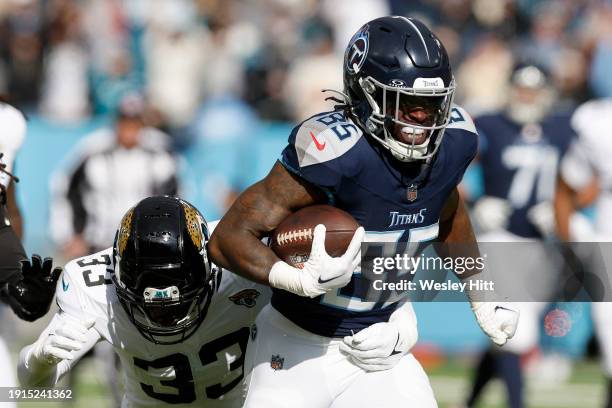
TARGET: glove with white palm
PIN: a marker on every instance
(497, 319)
(69, 337)
(322, 272)
(382, 345)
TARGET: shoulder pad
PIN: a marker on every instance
(460, 119)
(324, 137)
(85, 283)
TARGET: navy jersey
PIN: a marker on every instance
(360, 177)
(520, 163)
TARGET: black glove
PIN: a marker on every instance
(30, 293)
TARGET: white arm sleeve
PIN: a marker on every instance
(35, 373)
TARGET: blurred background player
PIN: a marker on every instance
(588, 161)
(520, 149)
(115, 168)
(27, 286)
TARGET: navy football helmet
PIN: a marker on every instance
(163, 277)
(400, 86)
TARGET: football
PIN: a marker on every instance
(292, 239)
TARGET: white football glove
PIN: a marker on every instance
(497, 319)
(492, 213)
(382, 345)
(542, 216)
(59, 345)
(321, 273)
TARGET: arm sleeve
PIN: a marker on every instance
(35, 373)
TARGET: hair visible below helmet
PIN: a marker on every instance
(532, 95)
(163, 277)
(391, 63)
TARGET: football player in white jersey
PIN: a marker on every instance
(158, 284)
(588, 160)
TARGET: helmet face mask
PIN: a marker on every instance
(163, 279)
(165, 321)
(400, 86)
(408, 119)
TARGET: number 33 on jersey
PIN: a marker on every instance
(206, 369)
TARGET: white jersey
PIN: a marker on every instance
(207, 369)
(589, 156)
(13, 125)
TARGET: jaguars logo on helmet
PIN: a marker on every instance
(124, 231)
(194, 224)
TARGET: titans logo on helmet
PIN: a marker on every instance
(357, 51)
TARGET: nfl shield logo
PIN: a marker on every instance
(277, 362)
(411, 194)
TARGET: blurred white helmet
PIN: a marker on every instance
(531, 94)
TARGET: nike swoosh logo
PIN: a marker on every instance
(327, 280)
(65, 285)
(394, 352)
(316, 142)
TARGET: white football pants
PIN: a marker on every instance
(291, 367)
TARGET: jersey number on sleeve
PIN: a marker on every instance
(100, 279)
(183, 380)
(338, 124)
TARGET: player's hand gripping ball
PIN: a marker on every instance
(292, 239)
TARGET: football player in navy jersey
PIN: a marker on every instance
(391, 155)
(520, 149)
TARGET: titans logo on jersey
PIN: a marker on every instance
(519, 163)
(360, 177)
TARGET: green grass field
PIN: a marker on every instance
(450, 382)
(584, 390)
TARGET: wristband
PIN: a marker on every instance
(286, 277)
